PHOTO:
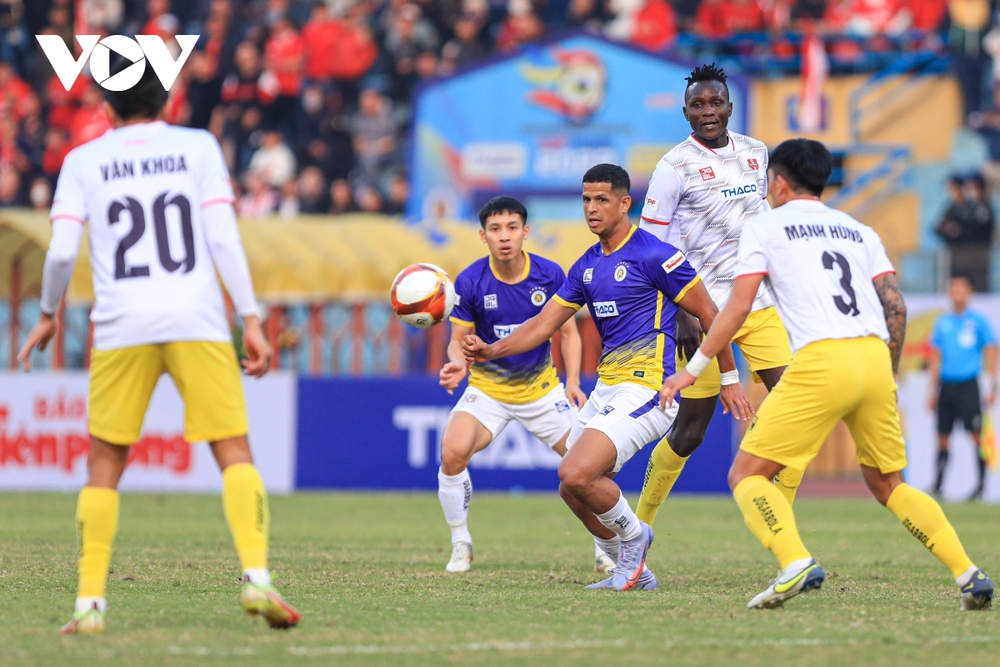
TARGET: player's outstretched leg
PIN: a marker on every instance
(923, 518)
(244, 501)
(669, 456)
(770, 518)
(97, 523)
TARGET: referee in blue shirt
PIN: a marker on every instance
(960, 343)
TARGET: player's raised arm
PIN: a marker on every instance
(528, 336)
(572, 352)
(456, 368)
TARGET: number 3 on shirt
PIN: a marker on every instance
(848, 305)
(135, 211)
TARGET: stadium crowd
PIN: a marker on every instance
(310, 99)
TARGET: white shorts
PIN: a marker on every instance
(548, 419)
(629, 414)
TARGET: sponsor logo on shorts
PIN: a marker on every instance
(639, 374)
(621, 271)
(538, 296)
(608, 409)
(490, 302)
(605, 309)
(675, 260)
(471, 398)
(753, 422)
(562, 406)
(504, 330)
(588, 275)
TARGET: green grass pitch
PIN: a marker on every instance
(367, 571)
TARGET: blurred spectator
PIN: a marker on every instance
(274, 160)
(56, 148)
(588, 14)
(341, 199)
(13, 90)
(289, 205)
(369, 199)
(312, 193)
(11, 192)
(970, 21)
(106, 14)
(398, 193)
(655, 26)
(408, 36)
(204, 69)
(374, 130)
(40, 194)
(89, 121)
(988, 125)
(284, 55)
(928, 15)
(468, 45)
(811, 11)
(341, 50)
(967, 229)
(258, 199)
(521, 27)
(709, 20)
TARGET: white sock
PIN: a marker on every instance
(258, 575)
(622, 520)
(966, 576)
(607, 547)
(455, 494)
(86, 604)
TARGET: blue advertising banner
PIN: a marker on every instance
(386, 434)
(531, 124)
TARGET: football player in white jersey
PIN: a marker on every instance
(837, 293)
(159, 210)
(700, 195)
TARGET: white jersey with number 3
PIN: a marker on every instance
(821, 263)
(142, 189)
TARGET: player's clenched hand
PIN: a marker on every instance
(39, 337)
(575, 395)
(688, 334)
(475, 349)
(258, 351)
(674, 384)
(735, 400)
(451, 374)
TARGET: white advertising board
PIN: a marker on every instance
(44, 441)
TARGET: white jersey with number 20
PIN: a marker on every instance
(821, 263)
(142, 189)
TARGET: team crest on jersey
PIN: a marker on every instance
(538, 296)
(588, 275)
(675, 260)
(621, 271)
(753, 164)
(490, 302)
(706, 173)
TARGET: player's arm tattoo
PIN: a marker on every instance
(895, 314)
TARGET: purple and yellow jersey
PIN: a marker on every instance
(625, 293)
(494, 309)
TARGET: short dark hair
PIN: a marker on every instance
(978, 179)
(805, 164)
(609, 173)
(145, 99)
(705, 73)
(961, 275)
(502, 204)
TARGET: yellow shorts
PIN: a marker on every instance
(763, 341)
(828, 381)
(207, 377)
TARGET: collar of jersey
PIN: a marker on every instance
(524, 274)
(624, 241)
(697, 141)
(147, 126)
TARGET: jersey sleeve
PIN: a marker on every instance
(878, 261)
(69, 202)
(934, 340)
(662, 197)
(215, 184)
(669, 271)
(986, 335)
(750, 258)
(571, 293)
(463, 314)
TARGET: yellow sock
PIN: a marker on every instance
(245, 503)
(769, 517)
(97, 523)
(922, 516)
(663, 470)
(788, 481)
